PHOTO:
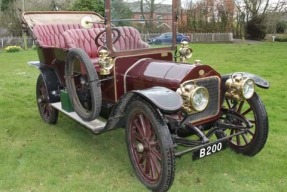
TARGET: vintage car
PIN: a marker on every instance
(101, 72)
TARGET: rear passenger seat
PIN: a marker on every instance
(52, 35)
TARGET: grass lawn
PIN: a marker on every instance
(35, 156)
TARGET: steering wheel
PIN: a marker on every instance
(100, 39)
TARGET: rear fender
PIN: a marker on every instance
(52, 82)
(259, 81)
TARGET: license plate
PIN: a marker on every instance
(209, 150)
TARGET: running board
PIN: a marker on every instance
(96, 126)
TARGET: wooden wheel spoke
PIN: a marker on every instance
(153, 143)
(143, 125)
(147, 165)
(238, 142)
(138, 127)
(252, 121)
(228, 103)
(245, 138)
(155, 166)
(231, 131)
(137, 137)
(247, 111)
(155, 153)
(240, 106)
(142, 158)
(148, 127)
(250, 132)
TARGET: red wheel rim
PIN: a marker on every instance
(43, 101)
(145, 147)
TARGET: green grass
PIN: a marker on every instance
(35, 156)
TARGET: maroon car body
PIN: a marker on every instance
(104, 75)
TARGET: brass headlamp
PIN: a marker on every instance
(239, 87)
(195, 98)
(106, 62)
(185, 51)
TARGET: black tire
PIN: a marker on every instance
(93, 89)
(47, 112)
(253, 141)
(150, 147)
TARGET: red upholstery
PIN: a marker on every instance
(84, 39)
(130, 39)
(52, 35)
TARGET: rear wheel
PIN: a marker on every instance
(83, 84)
(253, 140)
(150, 147)
(47, 112)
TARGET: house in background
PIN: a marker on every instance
(160, 13)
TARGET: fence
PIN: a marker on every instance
(194, 37)
(211, 37)
(199, 37)
(7, 41)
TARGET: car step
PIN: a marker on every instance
(96, 126)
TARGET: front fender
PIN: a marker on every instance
(259, 81)
(164, 98)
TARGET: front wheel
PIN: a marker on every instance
(150, 147)
(47, 112)
(253, 140)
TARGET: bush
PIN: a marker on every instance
(281, 39)
(12, 49)
(280, 26)
(256, 28)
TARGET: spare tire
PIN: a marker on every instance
(83, 84)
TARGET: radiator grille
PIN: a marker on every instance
(212, 84)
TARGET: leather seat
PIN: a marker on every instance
(52, 35)
(84, 39)
(130, 39)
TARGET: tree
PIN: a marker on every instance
(10, 17)
(263, 11)
(210, 15)
(89, 5)
(233, 15)
(6, 4)
(121, 10)
(256, 27)
(12, 22)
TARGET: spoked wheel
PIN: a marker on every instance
(47, 112)
(253, 140)
(150, 147)
(83, 84)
